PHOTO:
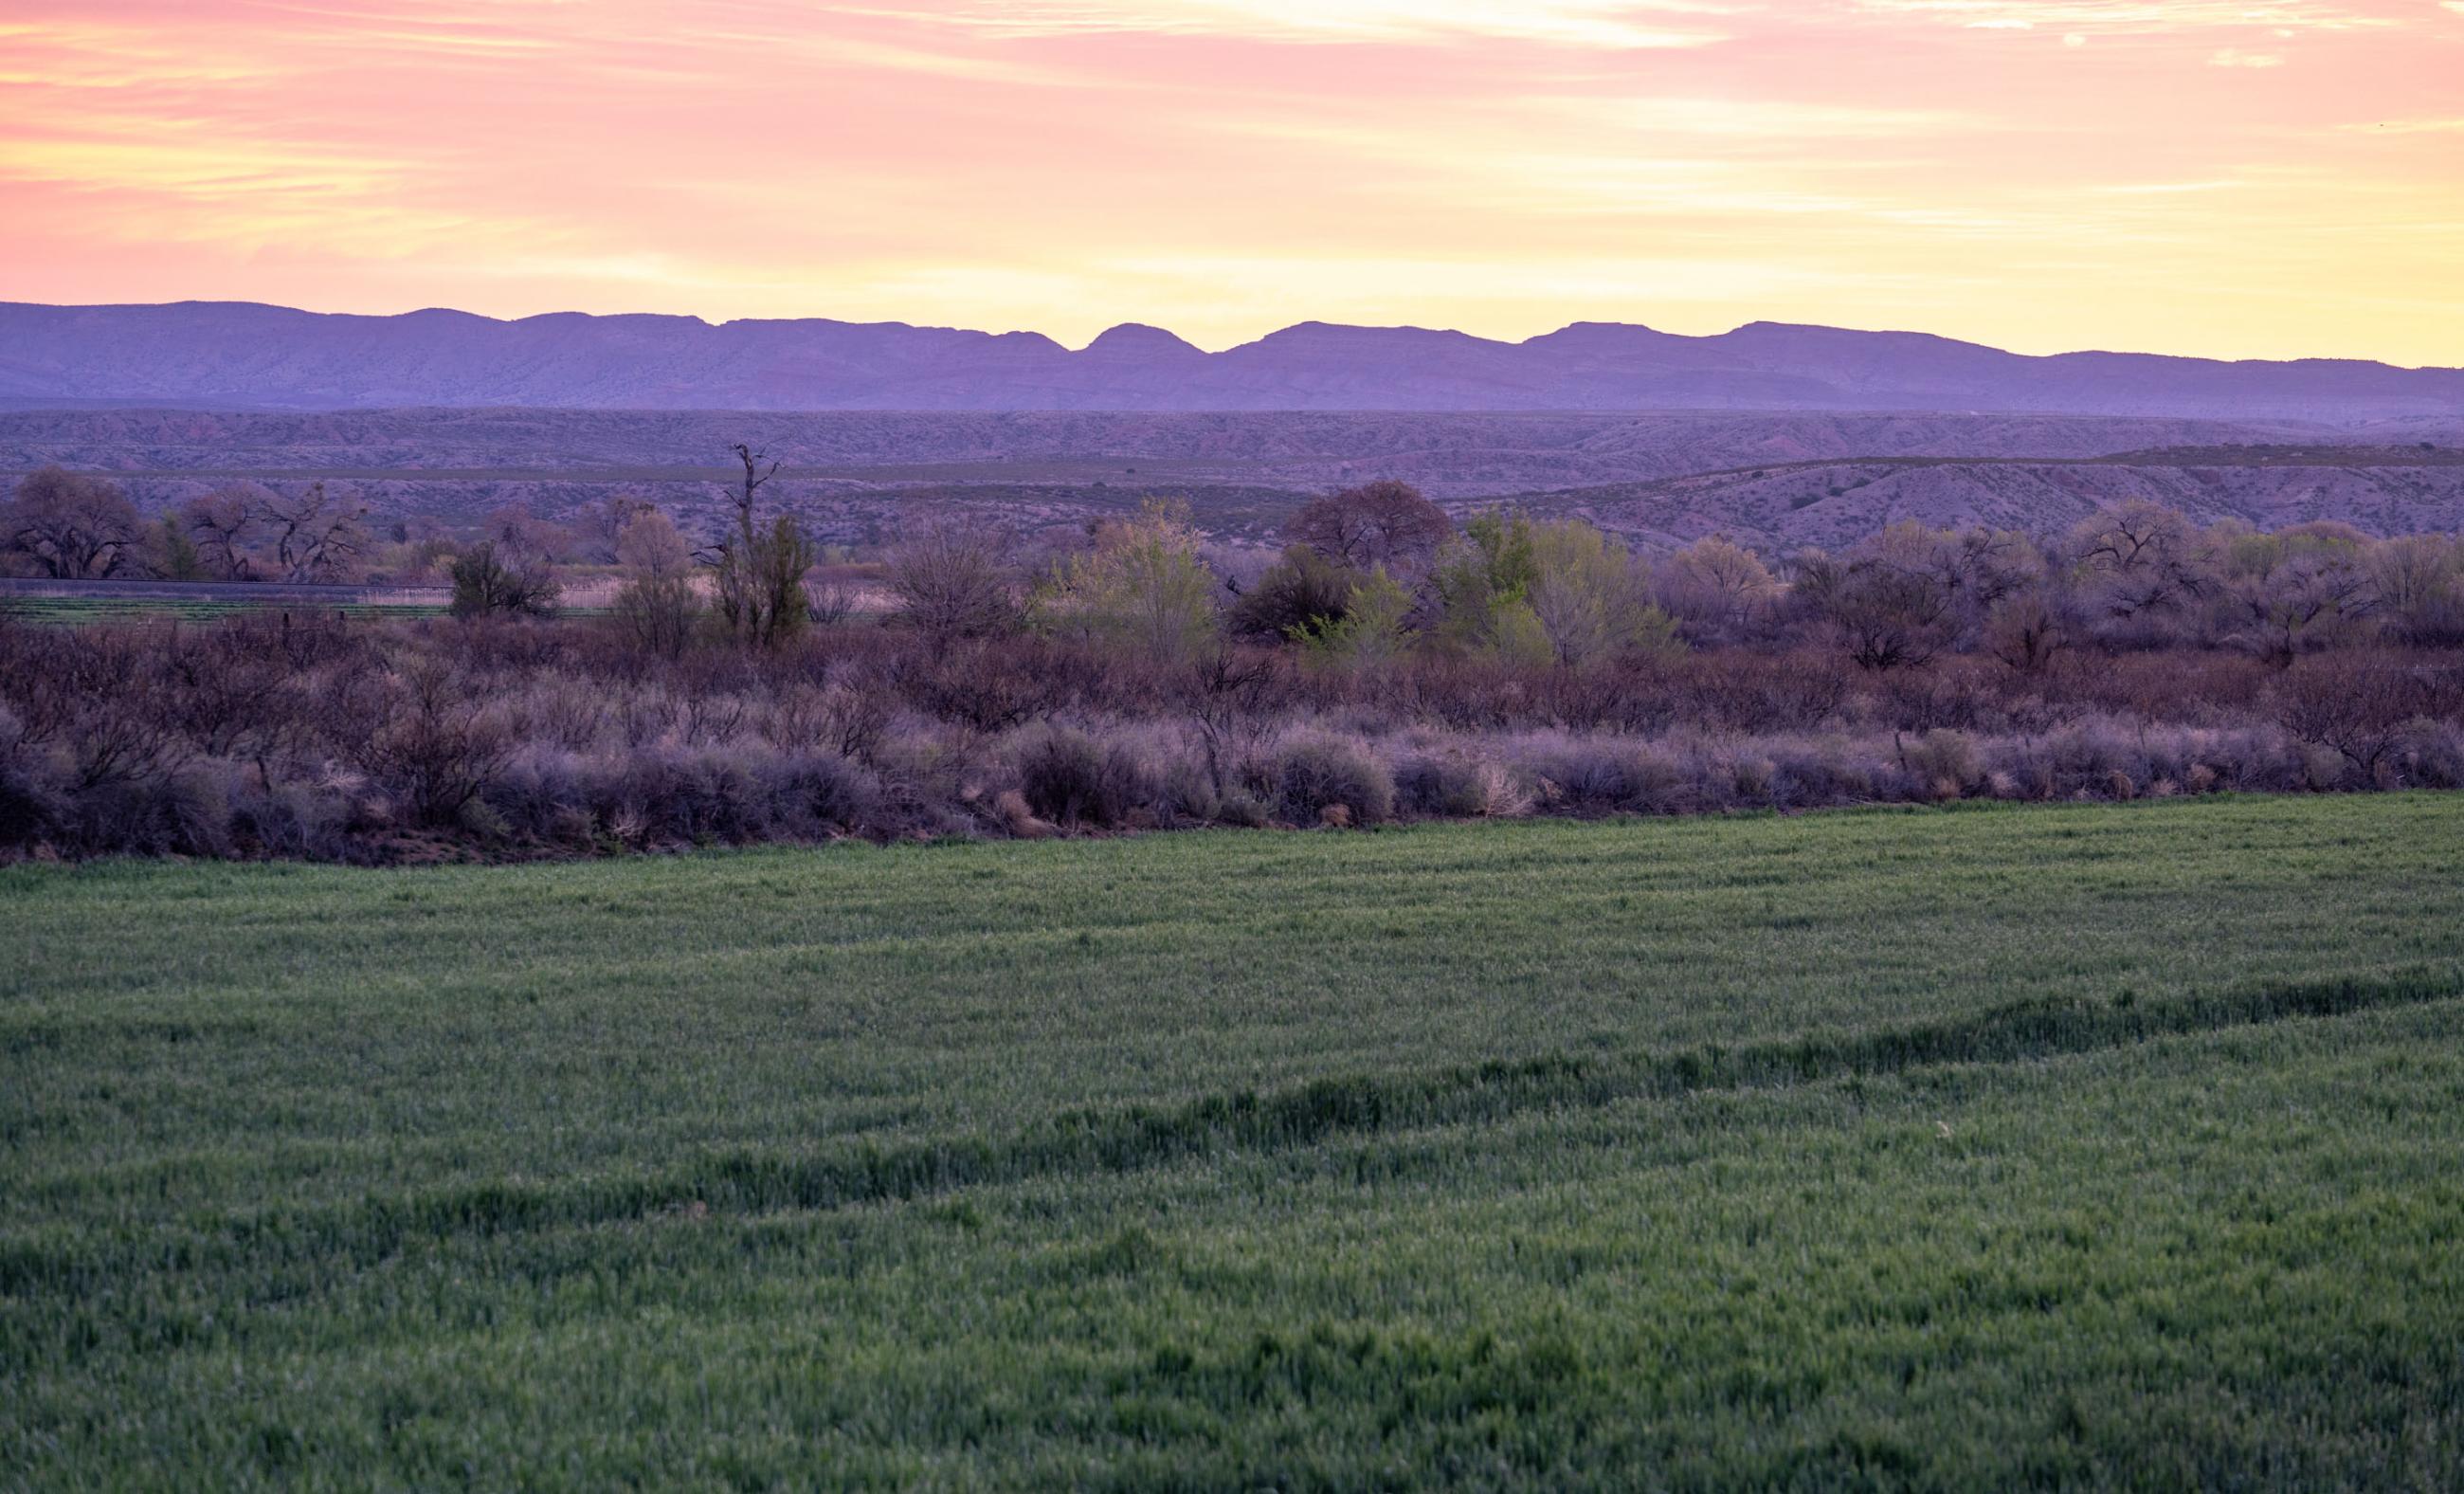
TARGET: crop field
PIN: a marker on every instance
(72, 610)
(104, 601)
(2091, 1145)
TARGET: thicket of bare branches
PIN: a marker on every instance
(388, 740)
(1390, 664)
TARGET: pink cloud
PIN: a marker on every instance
(1226, 165)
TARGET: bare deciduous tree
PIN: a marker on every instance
(601, 526)
(950, 584)
(649, 544)
(222, 524)
(1384, 523)
(74, 525)
(318, 535)
(1716, 587)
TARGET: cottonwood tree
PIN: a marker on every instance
(1141, 583)
(317, 535)
(1384, 523)
(602, 524)
(2418, 583)
(758, 572)
(2026, 629)
(659, 605)
(649, 542)
(524, 539)
(1717, 588)
(1886, 615)
(2141, 569)
(2296, 588)
(222, 524)
(1591, 600)
(76, 528)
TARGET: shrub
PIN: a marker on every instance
(656, 611)
(1069, 779)
(950, 583)
(1447, 786)
(423, 738)
(312, 735)
(2358, 708)
(485, 585)
(811, 792)
(1944, 757)
(1612, 777)
(1315, 774)
(1301, 593)
(29, 811)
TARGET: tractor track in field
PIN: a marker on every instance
(1130, 1139)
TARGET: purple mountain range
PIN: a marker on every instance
(246, 355)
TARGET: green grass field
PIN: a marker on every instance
(68, 612)
(74, 611)
(2088, 1146)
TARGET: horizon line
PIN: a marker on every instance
(1305, 323)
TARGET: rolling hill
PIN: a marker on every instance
(243, 355)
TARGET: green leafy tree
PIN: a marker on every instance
(1537, 592)
(1374, 627)
(171, 554)
(1142, 585)
(1484, 576)
(1590, 599)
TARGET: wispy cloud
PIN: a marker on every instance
(1619, 24)
(1223, 167)
(2165, 189)
(2138, 17)
(1756, 119)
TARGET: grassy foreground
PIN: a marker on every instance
(2097, 1145)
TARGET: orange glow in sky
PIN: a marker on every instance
(2239, 178)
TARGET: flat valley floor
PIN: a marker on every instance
(2111, 1145)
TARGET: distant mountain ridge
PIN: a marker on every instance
(250, 356)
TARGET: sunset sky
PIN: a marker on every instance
(2240, 178)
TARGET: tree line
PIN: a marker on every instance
(1363, 576)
